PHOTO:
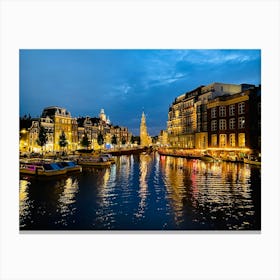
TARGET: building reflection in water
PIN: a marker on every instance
(145, 191)
(24, 202)
(144, 170)
(207, 192)
(67, 199)
(174, 183)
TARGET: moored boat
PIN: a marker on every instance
(70, 166)
(109, 157)
(208, 158)
(48, 169)
(94, 161)
(252, 160)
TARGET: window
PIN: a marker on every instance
(222, 124)
(241, 108)
(222, 111)
(241, 140)
(213, 113)
(214, 140)
(232, 140)
(241, 122)
(205, 127)
(214, 125)
(232, 123)
(232, 110)
(204, 118)
(223, 140)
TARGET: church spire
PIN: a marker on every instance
(144, 136)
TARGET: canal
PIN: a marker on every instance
(145, 192)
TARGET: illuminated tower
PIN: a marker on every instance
(145, 139)
(102, 115)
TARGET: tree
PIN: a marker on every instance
(85, 141)
(42, 138)
(62, 140)
(100, 139)
(136, 139)
(123, 140)
(114, 139)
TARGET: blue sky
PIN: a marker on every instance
(124, 82)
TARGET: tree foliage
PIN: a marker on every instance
(85, 142)
(62, 140)
(100, 139)
(123, 141)
(42, 138)
(114, 139)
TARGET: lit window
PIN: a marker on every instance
(241, 122)
(204, 127)
(231, 110)
(241, 140)
(223, 140)
(213, 112)
(214, 125)
(232, 140)
(232, 123)
(222, 124)
(222, 111)
(241, 108)
(214, 140)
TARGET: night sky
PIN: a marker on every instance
(126, 82)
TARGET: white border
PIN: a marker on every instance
(131, 24)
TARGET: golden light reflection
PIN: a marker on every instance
(67, 198)
(174, 181)
(214, 185)
(105, 188)
(23, 198)
(143, 191)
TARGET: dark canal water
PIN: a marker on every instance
(146, 192)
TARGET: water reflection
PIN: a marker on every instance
(146, 192)
(212, 195)
(24, 202)
(143, 184)
(67, 199)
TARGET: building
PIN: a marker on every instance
(216, 116)
(56, 121)
(235, 121)
(145, 139)
(182, 120)
(163, 138)
(62, 124)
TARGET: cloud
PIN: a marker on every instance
(124, 81)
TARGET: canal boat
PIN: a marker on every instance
(94, 161)
(208, 158)
(109, 157)
(181, 154)
(42, 169)
(252, 160)
(70, 166)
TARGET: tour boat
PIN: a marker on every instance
(94, 161)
